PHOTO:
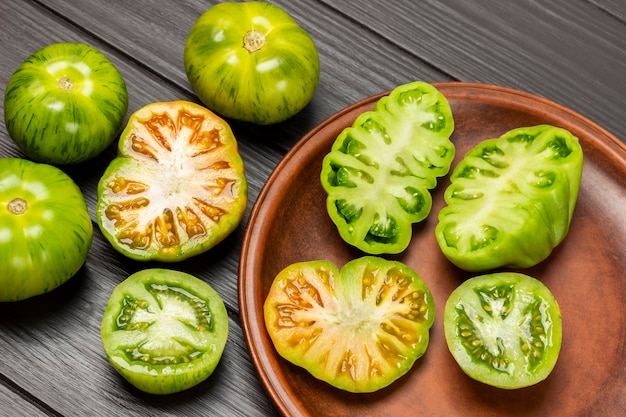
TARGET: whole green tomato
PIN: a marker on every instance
(251, 61)
(65, 104)
(45, 228)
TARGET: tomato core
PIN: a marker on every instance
(253, 40)
(17, 206)
(65, 83)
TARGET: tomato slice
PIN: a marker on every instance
(164, 331)
(379, 172)
(178, 186)
(511, 199)
(504, 329)
(358, 329)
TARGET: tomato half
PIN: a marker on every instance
(358, 329)
(45, 228)
(177, 187)
(504, 329)
(164, 331)
(251, 61)
(379, 172)
(511, 199)
(65, 104)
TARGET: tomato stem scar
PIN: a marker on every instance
(253, 40)
(17, 206)
(65, 83)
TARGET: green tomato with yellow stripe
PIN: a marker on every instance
(65, 104)
(45, 229)
(251, 61)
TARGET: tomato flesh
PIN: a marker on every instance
(164, 331)
(178, 186)
(504, 329)
(359, 329)
(379, 172)
(511, 199)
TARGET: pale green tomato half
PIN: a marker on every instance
(511, 200)
(504, 329)
(164, 331)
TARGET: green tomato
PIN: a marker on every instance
(511, 199)
(504, 329)
(251, 61)
(45, 229)
(65, 104)
(359, 328)
(164, 331)
(177, 187)
(380, 170)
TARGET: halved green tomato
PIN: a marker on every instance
(504, 329)
(511, 200)
(164, 331)
(379, 172)
(177, 187)
(358, 329)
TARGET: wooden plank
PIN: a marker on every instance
(568, 51)
(13, 403)
(616, 8)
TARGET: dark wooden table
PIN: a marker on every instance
(51, 358)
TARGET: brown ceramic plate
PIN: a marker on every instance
(586, 273)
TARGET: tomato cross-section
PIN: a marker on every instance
(177, 187)
(379, 172)
(164, 330)
(359, 328)
(504, 329)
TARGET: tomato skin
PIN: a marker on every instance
(511, 199)
(379, 172)
(263, 86)
(359, 328)
(164, 331)
(515, 317)
(177, 187)
(65, 104)
(44, 245)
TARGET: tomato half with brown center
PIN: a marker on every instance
(177, 187)
(359, 328)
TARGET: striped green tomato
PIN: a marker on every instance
(65, 104)
(251, 61)
(45, 228)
